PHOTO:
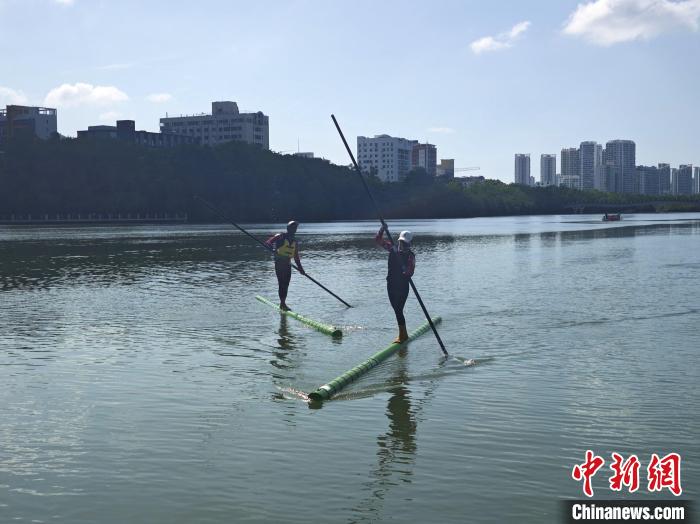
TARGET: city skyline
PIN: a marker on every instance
(301, 61)
(611, 169)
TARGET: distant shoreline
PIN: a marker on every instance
(109, 181)
(184, 219)
(105, 218)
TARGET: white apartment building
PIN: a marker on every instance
(522, 168)
(225, 124)
(386, 156)
(39, 121)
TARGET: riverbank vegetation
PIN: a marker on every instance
(63, 176)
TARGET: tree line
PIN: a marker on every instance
(61, 176)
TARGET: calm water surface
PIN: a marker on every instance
(140, 381)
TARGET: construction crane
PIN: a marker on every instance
(462, 169)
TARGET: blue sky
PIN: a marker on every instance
(481, 80)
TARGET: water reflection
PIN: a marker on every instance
(42, 265)
(285, 340)
(397, 448)
(283, 353)
(550, 238)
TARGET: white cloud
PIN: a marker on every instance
(608, 22)
(11, 96)
(518, 29)
(444, 130)
(487, 43)
(71, 95)
(64, 2)
(500, 41)
(109, 116)
(159, 98)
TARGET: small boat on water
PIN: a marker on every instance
(612, 217)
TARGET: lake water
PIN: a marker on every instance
(141, 382)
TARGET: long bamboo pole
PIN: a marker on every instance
(386, 228)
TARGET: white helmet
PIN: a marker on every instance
(406, 236)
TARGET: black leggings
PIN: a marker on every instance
(398, 293)
(283, 271)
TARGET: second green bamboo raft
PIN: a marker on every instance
(323, 328)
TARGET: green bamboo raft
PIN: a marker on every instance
(331, 388)
(333, 331)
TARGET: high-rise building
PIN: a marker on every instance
(590, 165)
(682, 180)
(664, 179)
(674, 176)
(621, 154)
(388, 157)
(598, 174)
(611, 177)
(27, 120)
(548, 170)
(446, 168)
(424, 156)
(225, 124)
(570, 168)
(522, 168)
(648, 180)
(696, 180)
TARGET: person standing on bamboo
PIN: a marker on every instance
(286, 248)
(402, 263)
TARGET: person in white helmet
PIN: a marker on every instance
(286, 248)
(402, 263)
